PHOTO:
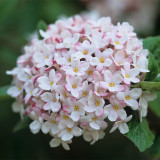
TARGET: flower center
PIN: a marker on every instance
(46, 57)
(138, 66)
(112, 84)
(19, 88)
(127, 76)
(55, 99)
(69, 129)
(84, 94)
(101, 60)
(31, 91)
(51, 83)
(119, 63)
(128, 97)
(74, 86)
(85, 52)
(75, 70)
(69, 59)
(65, 94)
(54, 122)
(65, 117)
(116, 42)
(76, 108)
(97, 103)
(94, 119)
(30, 77)
(116, 108)
(90, 72)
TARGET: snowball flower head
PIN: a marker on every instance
(79, 77)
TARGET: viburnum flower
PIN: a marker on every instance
(79, 77)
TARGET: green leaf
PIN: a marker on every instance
(149, 86)
(22, 124)
(155, 148)
(153, 68)
(3, 92)
(41, 26)
(153, 45)
(155, 105)
(140, 134)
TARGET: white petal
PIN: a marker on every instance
(46, 126)
(47, 96)
(44, 83)
(123, 128)
(94, 125)
(136, 93)
(75, 116)
(55, 142)
(76, 131)
(35, 126)
(65, 146)
(67, 136)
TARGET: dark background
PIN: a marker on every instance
(18, 19)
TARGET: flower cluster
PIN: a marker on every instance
(79, 77)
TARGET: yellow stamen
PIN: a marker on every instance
(69, 129)
(127, 97)
(31, 91)
(55, 99)
(85, 52)
(111, 84)
(75, 70)
(84, 94)
(101, 60)
(65, 94)
(127, 76)
(51, 83)
(30, 77)
(97, 103)
(69, 59)
(76, 108)
(65, 117)
(74, 86)
(94, 119)
(116, 108)
(54, 122)
(19, 88)
(116, 42)
(119, 63)
(138, 66)
(90, 72)
(46, 57)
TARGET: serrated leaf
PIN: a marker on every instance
(3, 92)
(41, 26)
(149, 86)
(154, 105)
(140, 134)
(22, 124)
(155, 148)
(153, 68)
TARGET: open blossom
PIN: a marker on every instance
(78, 78)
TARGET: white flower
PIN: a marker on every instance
(52, 101)
(130, 97)
(74, 85)
(112, 81)
(67, 133)
(143, 102)
(55, 142)
(129, 74)
(121, 125)
(49, 83)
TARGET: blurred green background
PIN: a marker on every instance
(18, 19)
